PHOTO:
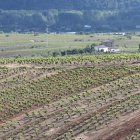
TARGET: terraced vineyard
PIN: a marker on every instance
(70, 98)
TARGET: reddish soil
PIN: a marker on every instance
(124, 127)
(57, 93)
(124, 130)
(81, 119)
(116, 131)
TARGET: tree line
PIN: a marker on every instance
(69, 20)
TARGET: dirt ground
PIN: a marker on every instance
(118, 130)
(124, 127)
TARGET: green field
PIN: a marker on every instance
(21, 43)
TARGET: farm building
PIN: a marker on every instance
(108, 43)
(87, 26)
(72, 33)
(120, 33)
(101, 48)
(113, 49)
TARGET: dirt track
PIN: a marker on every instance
(124, 127)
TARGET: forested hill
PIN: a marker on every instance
(68, 4)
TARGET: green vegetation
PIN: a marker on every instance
(28, 45)
(69, 20)
(67, 97)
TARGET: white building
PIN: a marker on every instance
(72, 33)
(113, 49)
(87, 26)
(101, 48)
(120, 33)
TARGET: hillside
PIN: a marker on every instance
(70, 98)
(68, 4)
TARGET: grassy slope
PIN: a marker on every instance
(21, 44)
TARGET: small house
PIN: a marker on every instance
(87, 26)
(120, 33)
(108, 43)
(72, 33)
(101, 48)
(113, 49)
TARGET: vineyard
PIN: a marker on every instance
(70, 98)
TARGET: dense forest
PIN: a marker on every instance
(70, 20)
(69, 15)
(69, 4)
